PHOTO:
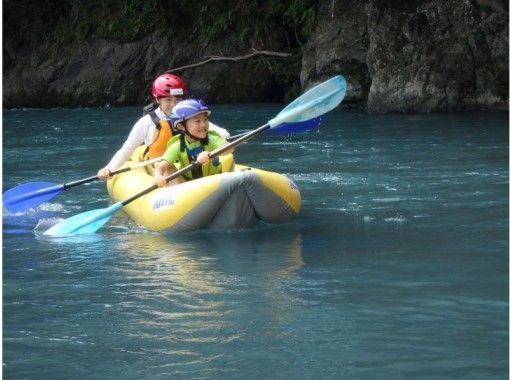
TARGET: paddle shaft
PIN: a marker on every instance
(314, 103)
(232, 138)
(80, 182)
(233, 141)
(213, 154)
(123, 170)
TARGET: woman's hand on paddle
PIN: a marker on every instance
(159, 180)
(161, 170)
(104, 173)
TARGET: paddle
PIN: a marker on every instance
(32, 194)
(315, 102)
(300, 126)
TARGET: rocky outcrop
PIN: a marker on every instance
(98, 72)
(339, 46)
(397, 56)
(414, 56)
(92, 73)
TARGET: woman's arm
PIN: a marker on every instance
(135, 138)
(220, 131)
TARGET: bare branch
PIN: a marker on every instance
(215, 58)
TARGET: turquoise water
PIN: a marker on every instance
(396, 267)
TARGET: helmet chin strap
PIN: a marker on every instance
(187, 133)
(204, 141)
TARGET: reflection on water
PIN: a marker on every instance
(204, 281)
(191, 298)
(204, 262)
(402, 238)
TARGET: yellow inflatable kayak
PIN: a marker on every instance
(235, 199)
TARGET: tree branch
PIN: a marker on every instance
(215, 58)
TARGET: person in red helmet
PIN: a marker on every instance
(153, 129)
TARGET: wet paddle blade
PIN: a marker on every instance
(313, 103)
(297, 127)
(85, 223)
(287, 128)
(30, 195)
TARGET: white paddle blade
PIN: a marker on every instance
(313, 103)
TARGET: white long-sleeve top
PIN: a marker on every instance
(144, 132)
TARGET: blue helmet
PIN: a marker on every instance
(186, 109)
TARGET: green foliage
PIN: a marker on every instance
(120, 19)
(250, 20)
(257, 23)
(75, 20)
(260, 24)
(26, 21)
(300, 15)
(202, 21)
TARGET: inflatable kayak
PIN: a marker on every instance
(239, 197)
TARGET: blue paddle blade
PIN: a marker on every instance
(300, 126)
(288, 128)
(313, 103)
(85, 223)
(30, 195)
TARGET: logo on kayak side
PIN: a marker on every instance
(163, 202)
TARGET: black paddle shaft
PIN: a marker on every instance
(80, 182)
(93, 178)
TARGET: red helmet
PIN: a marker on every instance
(168, 84)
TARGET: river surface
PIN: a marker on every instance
(396, 266)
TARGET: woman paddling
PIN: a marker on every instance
(153, 128)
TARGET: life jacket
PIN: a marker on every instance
(187, 156)
(165, 133)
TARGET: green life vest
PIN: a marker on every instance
(188, 153)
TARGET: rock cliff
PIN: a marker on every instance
(414, 56)
(98, 72)
(398, 56)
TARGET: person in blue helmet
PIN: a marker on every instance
(153, 128)
(191, 118)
